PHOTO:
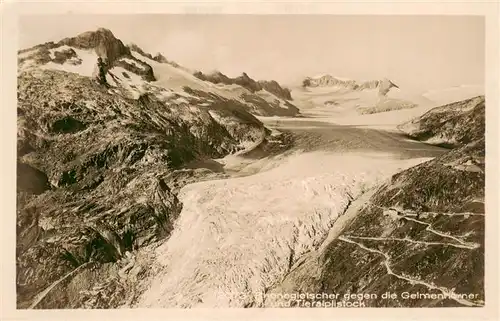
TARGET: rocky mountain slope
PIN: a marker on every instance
(100, 169)
(132, 68)
(426, 235)
(244, 80)
(384, 85)
(450, 125)
(99, 166)
(420, 235)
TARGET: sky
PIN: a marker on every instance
(416, 52)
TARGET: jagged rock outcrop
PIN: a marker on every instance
(102, 42)
(215, 77)
(99, 166)
(158, 57)
(266, 107)
(137, 67)
(385, 85)
(328, 81)
(245, 81)
(62, 56)
(451, 125)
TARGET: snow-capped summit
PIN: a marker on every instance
(79, 55)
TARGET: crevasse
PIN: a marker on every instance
(236, 237)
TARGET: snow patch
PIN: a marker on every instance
(86, 68)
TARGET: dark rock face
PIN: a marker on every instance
(421, 232)
(245, 81)
(160, 58)
(451, 125)
(62, 56)
(48, 45)
(94, 171)
(328, 80)
(370, 84)
(102, 41)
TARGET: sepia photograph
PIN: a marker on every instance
(251, 161)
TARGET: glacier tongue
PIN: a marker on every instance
(236, 237)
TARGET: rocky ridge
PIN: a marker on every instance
(245, 81)
(132, 68)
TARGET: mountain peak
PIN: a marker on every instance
(104, 31)
(102, 41)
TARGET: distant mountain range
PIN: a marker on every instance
(98, 167)
(330, 81)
